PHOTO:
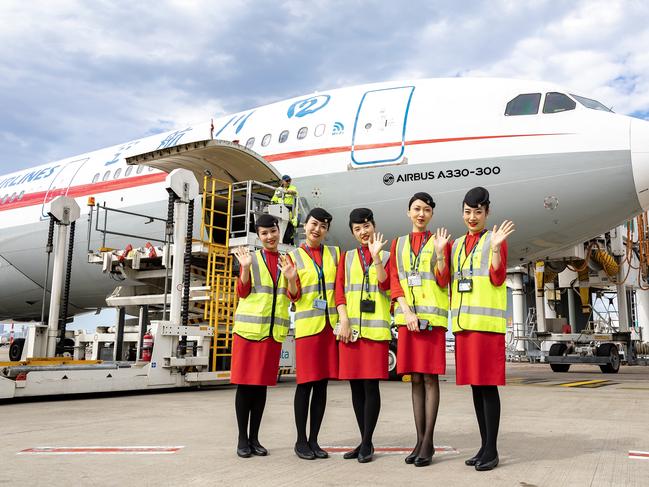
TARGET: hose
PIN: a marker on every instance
(66, 291)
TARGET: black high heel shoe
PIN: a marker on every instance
(244, 452)
(352, 453)
(366, 458)
(303, 451)
(424, 461)
(257, 449)
(484, 466)
(410, 459)
(317, 451)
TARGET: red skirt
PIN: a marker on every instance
(316, 357)
(254, 363)
(423, 352)
(363, 359)
(479, 358)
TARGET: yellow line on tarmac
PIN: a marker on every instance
(582, 383)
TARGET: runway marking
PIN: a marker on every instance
(514, 381)
(639, 455)
(588, 383)
(388, 450)
(101, 450)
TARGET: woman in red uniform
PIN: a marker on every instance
(419, 278)
(478, 308)
(311, 276)
(363, 302)
(260, 325)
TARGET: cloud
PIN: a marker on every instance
(76, 76)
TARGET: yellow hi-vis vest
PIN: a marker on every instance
(375, 326)
(309, 320)
(264, 312)
(288, 200)
(484, 307)
(428, 301)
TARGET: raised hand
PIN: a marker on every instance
(243, 256)
(375, 245)
(499, 235)
(288, 268)
(442, 238)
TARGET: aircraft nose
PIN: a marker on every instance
(640, 159)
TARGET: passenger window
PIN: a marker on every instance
(557, 102)
(118, 171)
(527, 104)
(139, 170)
(106, 176)
(266, 140)
(302, 133)
(283, 136)
(95, 178)
(250, 142)
(128, 172)
(319, 130)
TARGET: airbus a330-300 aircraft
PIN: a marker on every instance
(563, 167)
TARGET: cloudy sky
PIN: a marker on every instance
(77, 76)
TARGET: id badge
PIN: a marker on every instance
(414, 279)
(465, 285)
(368, 306)
(354, 335)
(337, 329)
(320, 304)
(424, 324)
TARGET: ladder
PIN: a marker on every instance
(222, 302)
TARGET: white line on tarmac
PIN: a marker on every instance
(101, 450)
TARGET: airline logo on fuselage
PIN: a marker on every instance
(28, 177)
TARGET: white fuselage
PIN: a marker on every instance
(562, 177)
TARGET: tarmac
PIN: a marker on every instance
(571, 429)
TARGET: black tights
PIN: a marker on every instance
(366, 399)
(486, 402)
(425, 404)
(249, 404)
(318, 402)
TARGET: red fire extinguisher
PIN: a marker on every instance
(147, 346)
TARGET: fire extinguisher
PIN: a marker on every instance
(147, 346)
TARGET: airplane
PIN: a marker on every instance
(562, 166)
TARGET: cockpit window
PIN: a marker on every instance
(592, 104)
(557, 102)
(527, 104)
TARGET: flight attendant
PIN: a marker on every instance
(261, 324)
(478, 307)
(419, 277)
(311, 277)
(363, 302)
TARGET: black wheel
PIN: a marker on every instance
(16, 349)
(558, 350)
(609, 350)
(392, 363)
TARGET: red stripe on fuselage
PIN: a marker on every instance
(32, 199)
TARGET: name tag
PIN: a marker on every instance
(368, 306)
(414, 279)
(320, 304)
(465, 285)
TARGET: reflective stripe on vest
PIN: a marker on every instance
(374, 326)
(254, 317)
(308, 320)
(485, 307)
(428, 301)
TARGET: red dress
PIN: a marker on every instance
(255, 362)
(364, 358)
(479, 355)
(316, 356)
(421, 352)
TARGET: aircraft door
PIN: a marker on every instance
(380, 125)
(60, 184)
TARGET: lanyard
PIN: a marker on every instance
(279, 271)
(424, 241)
(366, 271)
(470, 256)
(319, 270)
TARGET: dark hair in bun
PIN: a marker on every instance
(477, 197)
